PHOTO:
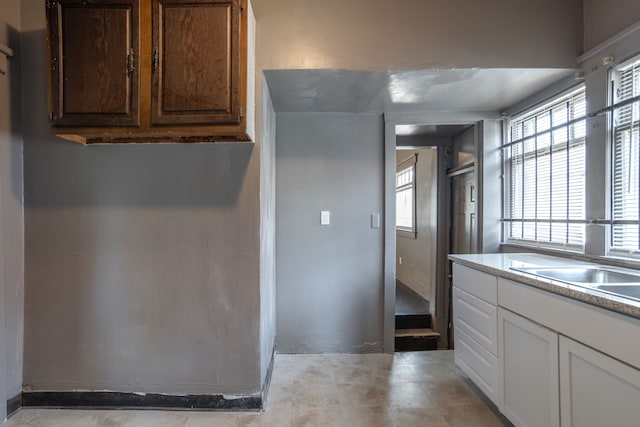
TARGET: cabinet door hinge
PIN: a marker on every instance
(131, 60)
(241, 113)
(50, 116)
(156, 60)
(241, 5)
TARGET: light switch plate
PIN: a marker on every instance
(375, 220)
(325, 217)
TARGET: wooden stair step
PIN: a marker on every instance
(417, 332)
(417, 339)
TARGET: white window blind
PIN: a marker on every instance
(544, 174)
(625, 215)
(405, 194)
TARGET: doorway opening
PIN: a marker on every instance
(434, 207)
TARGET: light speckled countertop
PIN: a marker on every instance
(502, 265)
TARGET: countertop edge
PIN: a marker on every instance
(589, 296)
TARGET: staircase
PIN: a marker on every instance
(414, 333)
(413, 322)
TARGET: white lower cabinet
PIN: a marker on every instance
(595, 389)
(559, 362)
(528, 371)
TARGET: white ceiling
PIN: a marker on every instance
(471, 89)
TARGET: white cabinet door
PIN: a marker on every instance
(595, 389)
(528, 371)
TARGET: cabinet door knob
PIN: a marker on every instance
(156, 59)
(131, 62)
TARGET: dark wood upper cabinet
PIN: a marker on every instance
(196, 62)
(94, 70)
(151, 70)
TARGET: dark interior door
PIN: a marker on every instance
(464, 233)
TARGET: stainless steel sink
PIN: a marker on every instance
(603, 279)
(593, 275)
(629, 291)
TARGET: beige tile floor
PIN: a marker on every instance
(407, 389)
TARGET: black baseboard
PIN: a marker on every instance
(14, 404)
(122, 400)
(119, 400)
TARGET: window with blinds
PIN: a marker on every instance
(625, 154)
(544, 174)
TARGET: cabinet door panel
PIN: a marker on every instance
(595, 389)
(94, 74)
(528, 370)
(196, 73)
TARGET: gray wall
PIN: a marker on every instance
(329, 293)
(604, 19)
(267, 232)
(11, 211)
(142, 262)
(418, 268)
(381, 35)
(489, 178)
(463, 148)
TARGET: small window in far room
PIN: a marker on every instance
(406, 196)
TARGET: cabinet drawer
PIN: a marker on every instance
(480, 365)
(477, 283)
(477, 317)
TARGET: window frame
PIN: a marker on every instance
(570, 124)
(615, 105)
(402, 166)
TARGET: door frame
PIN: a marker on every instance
(488, 138)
